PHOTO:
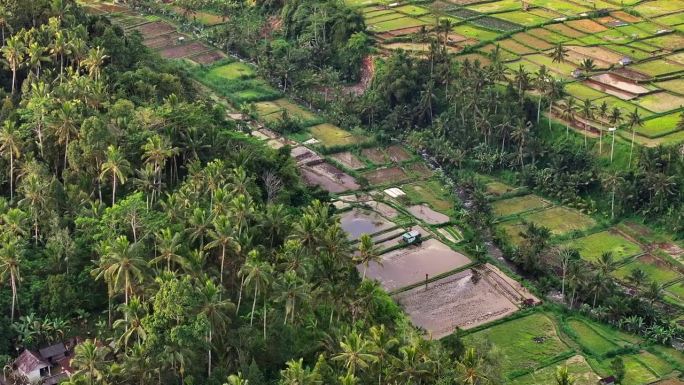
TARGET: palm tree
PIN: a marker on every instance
(59, 48)
(637, 277)
(222, 236)
(615, 116)
(469, 369)
(296, 374)
(565, 255)
(132, 323)
(654, 292)
(14, 52)
(292, 290)
(36, 57)
(587, 110)
(94, 62)
(355, 353)
(633, 120)
(156, 151)
(606, 263)
(520, 134)
(10, 147)
(587, 65)
(554, 92)
(216, 310)
(568, 112)
(382, 345)
(559, 53)
(563, 376)
(367, 253)
(612, 181)
(89, 359)
(541, 82)
(11, 260)
(198, 225)
(236, 379)
(64, 123)
(125, 266)
(258, 274)
(168, 244)
(117, 166)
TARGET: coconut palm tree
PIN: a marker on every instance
(236, 379)
(168, 245)
(132, 322)
(367, 253)
(60, 48)
(568, 112)
(293, 290)
(559, 53)
(587, 65)
(611, 182)
(11, 260)
(36, 57)
(382, 345)
(256, 273)
(296, 374)
(117, 167)
(637, 277)
(125, 266)
(89, 360)
(470, 369)
(64, 123)
(216, 310)
(223, 235)
(633, 120)
(94, 62)
(356, 353)
(541, 83)
(14, 53)
(11, 144)
(198, 225)
(606, 263)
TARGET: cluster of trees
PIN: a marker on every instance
(181, 251)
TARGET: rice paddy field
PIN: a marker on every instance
(609, 241)
(637, 41)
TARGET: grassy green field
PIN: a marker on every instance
(577, 366)
(589, 339)
(432, 192)
(655, 269)
(517, 205)
(498, 188)
(660, 126)
(331, 136)
(592, 246)
(561, 220)
(524, 342)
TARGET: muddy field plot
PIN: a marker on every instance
(386, 175)
(428, 215)
(359, 221)
(329, 178)
(348, 160)
(165, 40)
(208, 57)
(157, 28)
(408, 266)
(376, 155)
(462, 300)
(185, 50)
(398, 153)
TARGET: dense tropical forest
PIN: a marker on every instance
(135, 216)
(139, 218)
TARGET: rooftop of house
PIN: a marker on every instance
(29, 361)
(51, 351)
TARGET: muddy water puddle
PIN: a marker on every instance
(358, 222)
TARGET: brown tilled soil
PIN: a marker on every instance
(457, 301)
(208, 57)
(329, 178)
(157, 28)
(112, 8)
(428, 215)
(420, 169)
(398, 153)
(386, 175)
(375, 155)
(348, 160)
(164, 41)
(184, 50)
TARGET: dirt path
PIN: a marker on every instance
(367, 73)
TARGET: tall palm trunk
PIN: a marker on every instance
(209, 354)
(113, 189)
(223, 259)
(612, 205)
(256, 293)
(14, 295)
(11, 175)
(242, 285)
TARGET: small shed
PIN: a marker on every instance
(31, 365)
(411, 237)
(610, 380)
(53, 353)
(625, 61)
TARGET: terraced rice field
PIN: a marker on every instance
(592, 246)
